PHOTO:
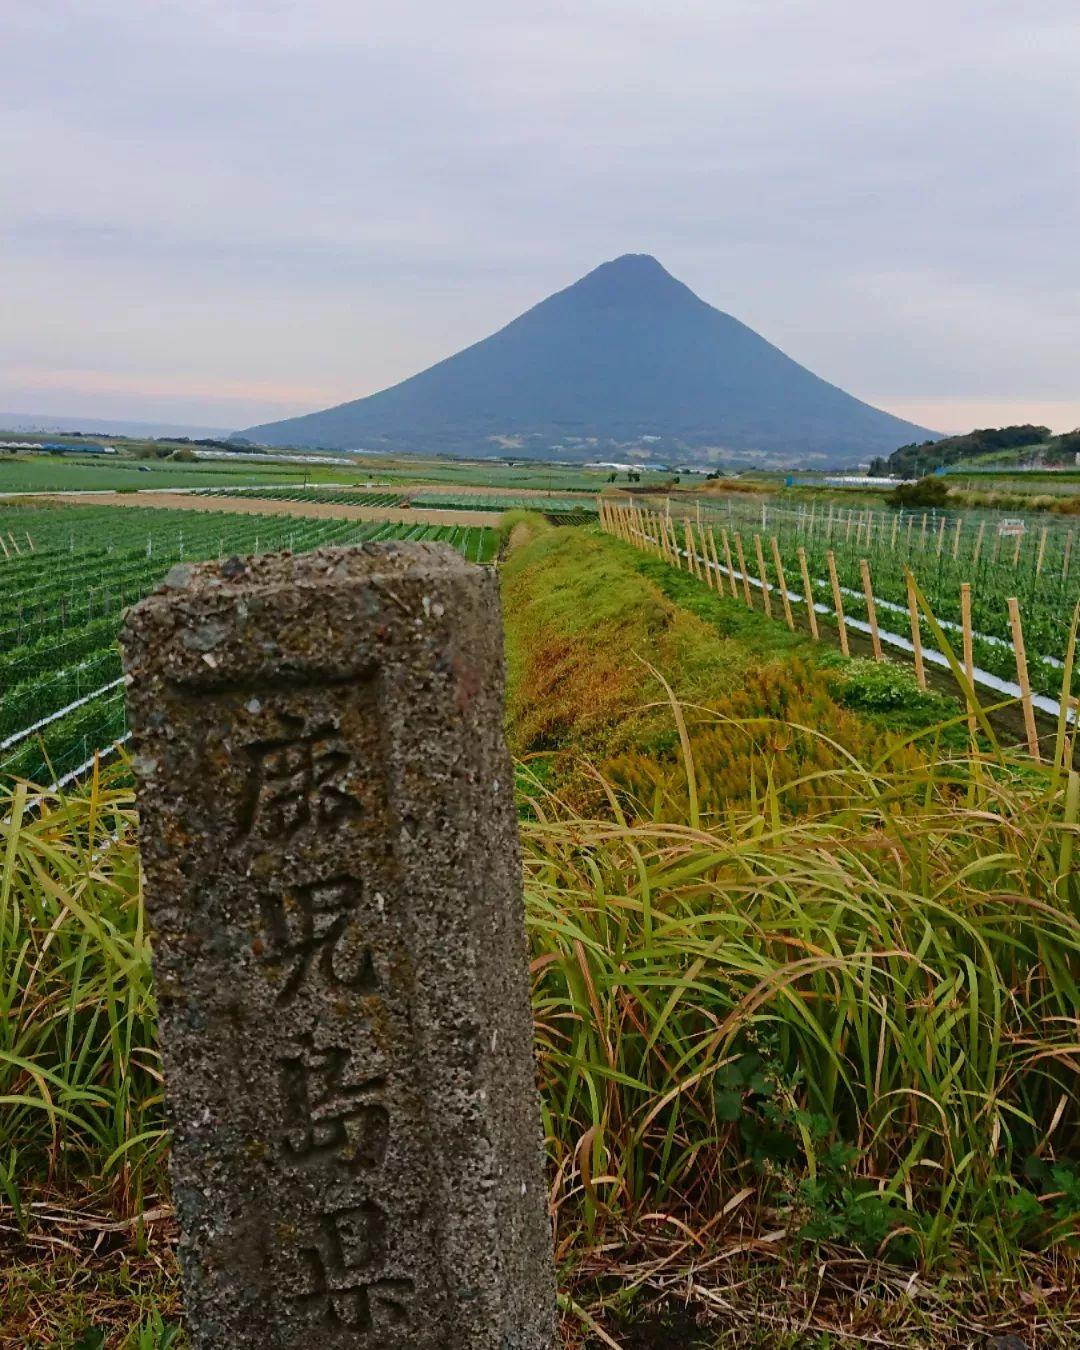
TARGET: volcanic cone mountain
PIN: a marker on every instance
(628, 363)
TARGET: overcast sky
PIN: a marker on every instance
(225, 211)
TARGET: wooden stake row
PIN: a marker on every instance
(656, 533)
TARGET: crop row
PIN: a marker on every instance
(61, 662)
(432, 498)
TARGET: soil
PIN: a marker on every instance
(249, 504)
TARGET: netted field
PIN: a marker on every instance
(1034, 559)
(66, 574)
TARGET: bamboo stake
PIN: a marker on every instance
(742, 571)
(728, 564)
(665, 542)
(871, 609)
(762, 575)
(850, 518)
(783, 583)
(674, 537)
(956, 538)
(1022, 678)
(969, 656)
(838, 602)
(14, 545)
(4, 547)
(703, 557)
(699, 568)
(30, 541)
(1016, 550)
(654, 528)
(714, 570)
(691, 551)
(978, 543)
(997, 546)
(1065, 559)
(808, 592)
(1042, 550)
(940, 536)
(922, 537)
(665, 537)
(907, 537)
(916, 632)
(895, 527)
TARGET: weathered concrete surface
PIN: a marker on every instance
(332, 878)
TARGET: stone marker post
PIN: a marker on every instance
(333, 884)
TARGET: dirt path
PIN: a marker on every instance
(250, 505)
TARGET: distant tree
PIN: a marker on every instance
(910, 461)
(185, 455)
(612, 476)
(932, 492)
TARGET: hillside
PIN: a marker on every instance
(627, 363)
(1014, 446)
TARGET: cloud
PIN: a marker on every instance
(315, 195)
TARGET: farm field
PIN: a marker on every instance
(254, 503)
(70, 571)
(43, 473)
(785, 933)
(1038, 565)
(136, 466)
(433, 498)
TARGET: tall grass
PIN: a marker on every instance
(858, 1025)
(855, 1021)
(80, 1098)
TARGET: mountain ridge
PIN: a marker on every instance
(628, 362)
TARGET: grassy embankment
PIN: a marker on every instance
(806, 1005)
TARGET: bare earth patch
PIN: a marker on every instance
(249, 505)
